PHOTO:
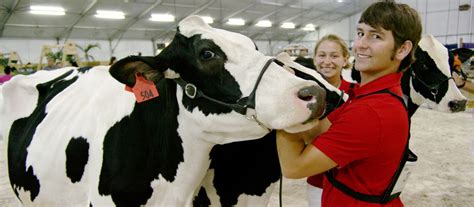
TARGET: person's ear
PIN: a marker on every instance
(404, 50)
(346, 63)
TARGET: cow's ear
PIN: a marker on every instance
(125, 69)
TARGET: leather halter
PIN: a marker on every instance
(433, 89)
(244, 106)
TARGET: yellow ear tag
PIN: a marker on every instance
(143, 89)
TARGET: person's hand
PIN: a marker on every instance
(459, 80)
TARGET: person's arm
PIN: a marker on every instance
(463, 84)
(299, 160)
(468, 86)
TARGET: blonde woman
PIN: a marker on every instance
(331, 56)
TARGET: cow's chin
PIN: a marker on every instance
(300, 127)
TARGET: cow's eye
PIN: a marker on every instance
(207, 54)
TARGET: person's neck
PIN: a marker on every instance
(335, 81)
(369, 76)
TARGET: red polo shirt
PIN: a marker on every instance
(366, 139)
(317, 180)
(346, 86)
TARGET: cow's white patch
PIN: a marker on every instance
(437, 52)
(254, 200)
(207, 184)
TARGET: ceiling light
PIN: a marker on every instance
(208, 19)
(264, 23)
(233, 21)
(309, 27)
(162, 18)
(47, 10)
(110, 14)
(288, 25)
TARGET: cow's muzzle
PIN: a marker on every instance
(315, 97)
(457, 105)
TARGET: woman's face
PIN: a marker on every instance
(329, 59)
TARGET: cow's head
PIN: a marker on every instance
(430, 78)
(233, 80)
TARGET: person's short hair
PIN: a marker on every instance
(336, 39)
(401, 19)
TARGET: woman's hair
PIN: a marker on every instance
(336, 39)
(401, 19)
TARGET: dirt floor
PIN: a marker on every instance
(444, 175)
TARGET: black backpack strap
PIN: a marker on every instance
(352, 193)
(352, 85)
(408, 155)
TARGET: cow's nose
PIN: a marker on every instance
(315, 97)
(457, 105)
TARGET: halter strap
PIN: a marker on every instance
(244, 106)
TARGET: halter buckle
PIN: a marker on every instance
(190, 90)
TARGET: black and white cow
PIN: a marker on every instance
(245, 173)
(76, 137)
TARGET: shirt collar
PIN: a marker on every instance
(387, 81)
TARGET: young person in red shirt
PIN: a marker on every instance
(362, 142)
(331, 56)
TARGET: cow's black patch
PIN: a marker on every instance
(426, 70)
(201, 62)
(140, 147)
(77, 155)
(411, 107)
(464, 54)
(201, 200)
(405, 84)
(247, 167)
(84, 69)
(21, 133)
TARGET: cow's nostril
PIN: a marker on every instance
(315, 97)
(305, 98)
(456, 106)
(308, 93)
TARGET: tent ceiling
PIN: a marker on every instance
(79, 21)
